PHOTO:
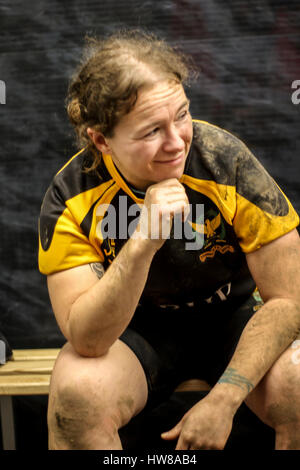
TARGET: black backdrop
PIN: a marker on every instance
(248, 54)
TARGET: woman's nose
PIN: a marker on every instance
(173, 141)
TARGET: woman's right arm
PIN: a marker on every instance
(93, 310)
(93, 307)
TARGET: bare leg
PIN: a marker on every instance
(276, 399)
(91, 398)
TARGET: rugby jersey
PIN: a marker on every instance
(244, 209)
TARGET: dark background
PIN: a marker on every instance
(248, 54)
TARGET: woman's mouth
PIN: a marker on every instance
(171, 161)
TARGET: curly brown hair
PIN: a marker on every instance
(105, 86)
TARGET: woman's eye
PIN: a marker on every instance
(153, 132)
(183, 115)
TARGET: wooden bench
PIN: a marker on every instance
(27, 373)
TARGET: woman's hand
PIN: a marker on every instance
(162, 202)
(207, 425)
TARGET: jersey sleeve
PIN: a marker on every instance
(62, 242)
(263, 212)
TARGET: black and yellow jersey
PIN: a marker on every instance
(244, 209)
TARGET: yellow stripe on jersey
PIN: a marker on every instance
(69, 247)
(119, 180)
(69, 161)
(255, 227)
(78, 204)
(222, 195)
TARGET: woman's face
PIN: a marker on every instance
(151, 143)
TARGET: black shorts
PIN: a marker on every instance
(174, 345)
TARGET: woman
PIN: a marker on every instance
(139, 310)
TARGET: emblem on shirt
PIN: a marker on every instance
(214, 235)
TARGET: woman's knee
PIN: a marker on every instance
(277, 398)
(74, 412)
(88, 398)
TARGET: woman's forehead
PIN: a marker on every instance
(152, 100)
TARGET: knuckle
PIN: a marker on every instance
(150, 190)
(188, 436)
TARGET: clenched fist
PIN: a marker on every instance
(162, 202)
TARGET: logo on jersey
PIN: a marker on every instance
(214, 235)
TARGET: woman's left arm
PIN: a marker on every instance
(276, 270)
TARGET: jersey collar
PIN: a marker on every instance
(135, 194)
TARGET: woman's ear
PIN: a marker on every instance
(98, 140)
